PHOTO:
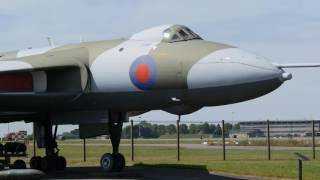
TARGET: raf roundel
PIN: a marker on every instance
(143, 72)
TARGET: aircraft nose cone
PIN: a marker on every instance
(233, 66)
(285, 76)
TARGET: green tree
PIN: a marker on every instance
(212, 128)
(126, 132)
(162, 130)
(205, 128)
(194, 129)
(236, 126)
(171, 129)
(147, 130)
(184, 129)
(68, 135)
(75, 132)
(218, 131)
(227, 128)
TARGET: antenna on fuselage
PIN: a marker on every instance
(50, 41)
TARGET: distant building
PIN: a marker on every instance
(238, 134)
(279, 128)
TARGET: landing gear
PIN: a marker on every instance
(120, 162)
(19, 164)
(52, 161)
(114, 162)
(61, 163)
(35, 162)
(107, 162)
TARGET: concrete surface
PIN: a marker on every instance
(143, 172)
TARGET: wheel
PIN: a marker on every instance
(35, 162)
(48, 163)
(107, 162)
(1, 148)
(119, 162)
(19, 164)
(45, 163)
(61, 163)
(20, 148)
(2, 164)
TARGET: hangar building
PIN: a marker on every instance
(279, 128)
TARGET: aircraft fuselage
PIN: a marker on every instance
(144, 72)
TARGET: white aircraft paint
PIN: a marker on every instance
(31, 52)
(229, 67)
(117, 63)
(14, 65)
(154, 34)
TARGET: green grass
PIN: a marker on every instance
(136, 141)
(195, 139)
(276, 169)
(240, 162)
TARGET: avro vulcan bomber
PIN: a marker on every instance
(98, 85)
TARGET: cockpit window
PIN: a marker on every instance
(193, 34)
(184, 35)
(175, 37)
(178, 33)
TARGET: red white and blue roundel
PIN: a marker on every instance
(143, 72)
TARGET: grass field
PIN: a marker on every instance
(240, 162)
(294, 142)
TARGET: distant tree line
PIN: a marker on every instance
(148, 130)
(73, 134)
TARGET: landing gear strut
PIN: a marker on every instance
(52, 161)
(114, 162)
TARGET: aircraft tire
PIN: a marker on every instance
(119, 162)
(2, 165)
(61, 163)
(48, 163)
(107, 162)
(19, 164)
(35, 162)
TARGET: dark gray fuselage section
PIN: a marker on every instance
(137, 101)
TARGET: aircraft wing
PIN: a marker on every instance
(6, 117)
(297, 65)
(63, 71)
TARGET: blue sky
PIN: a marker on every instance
(281, 30)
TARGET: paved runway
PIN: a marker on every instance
(143, 172)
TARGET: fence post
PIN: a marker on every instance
(34, 141)
(84, 150)
(268, 139)
(132, 143)
(313, 142)
(223, 141)
(178, 138)
(300, 168)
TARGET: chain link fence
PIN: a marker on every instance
(223, 140)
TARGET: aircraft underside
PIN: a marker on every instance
(136, 101)
(109, 121)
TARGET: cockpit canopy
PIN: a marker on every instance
(166, 33)
(178, 33)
